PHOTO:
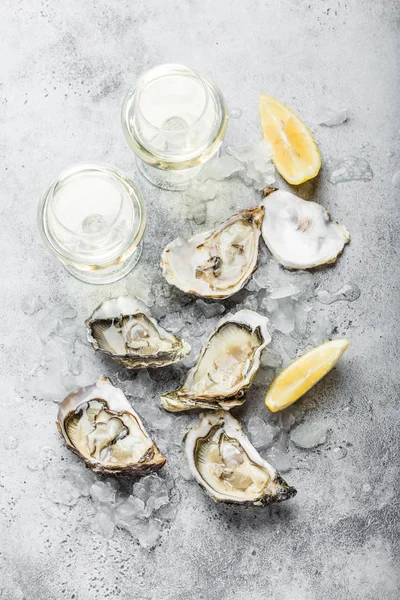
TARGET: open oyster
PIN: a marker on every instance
(217, 263)
(226, 367)
(228, 467)
(299, 233)
(123, 329)
(100, 426)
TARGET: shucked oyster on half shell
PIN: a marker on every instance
(300, 233)
(228, 467)
(100, 426)
(226, 367)
(217, 263)
(123, 328)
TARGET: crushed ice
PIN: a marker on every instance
(351, 168)
(331, 117)
(349, 292)
(308, 435)
(143, 508)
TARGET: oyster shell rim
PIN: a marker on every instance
(67, 406)
(170, 400)
(151, 361)
(267, 191)
(252, 265)
(283, 491)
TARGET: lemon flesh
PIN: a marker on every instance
(300, 376)
(296, 155)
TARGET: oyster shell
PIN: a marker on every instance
(299, 233)
(123, 329)
(100, 426)
(217, 263)
(226, 367)
(228, 467)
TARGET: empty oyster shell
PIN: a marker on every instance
(100, 426)
(226, 367)
(299, 233)
(123, 329)
(228, 467)
(217, 263)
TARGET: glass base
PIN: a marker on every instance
(168, 180)
(109, 274)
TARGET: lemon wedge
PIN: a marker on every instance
(298, 377)
(296, 155)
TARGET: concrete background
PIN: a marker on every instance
(65, 67)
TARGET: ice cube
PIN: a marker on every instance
(348, 293)
(251, 302)
(81, 477)
(102, 492)
(48, 387)
(309, 435)
(47, 327)
(286, 420)
(252, 286)
(128, 512)
(321, 329)
(154, 416)
(351, 168)
(76, 364)
(141, 386)
(235, 113)
(173, 322)
(256, 157)
(149, 533)
(64, 311)
(268, 305)
(202, 191)
(333, 116)
(280, 460)
(46, 456)
(152, 491)
(62, 492)
(291, 346)
(271, 358)
(220, 168)
(104, 524)
(31, 305)
(284, 290)
(177, 430)
(198, 212)
(261, 433)
(282, 318)
(264, 377)
(210, 309)
(139, 285)
(301, 312)
(138, 507)
(67, 329)
(396, 179)
(304, 281)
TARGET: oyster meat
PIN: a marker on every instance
(228, 467)
(300, 233)
(123, 328)
(100, 426)
(217, 263)
(226, 367)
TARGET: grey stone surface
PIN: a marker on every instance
(64, 70)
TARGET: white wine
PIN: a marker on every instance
(174, 120)
(93, 218)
